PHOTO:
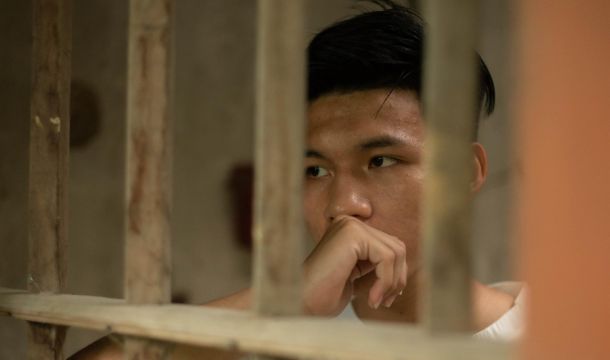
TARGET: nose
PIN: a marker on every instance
(347, 197)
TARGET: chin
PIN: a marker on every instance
(363, 284)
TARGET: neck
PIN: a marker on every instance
(488, 304)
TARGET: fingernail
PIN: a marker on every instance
(377, 304)
(389, 302)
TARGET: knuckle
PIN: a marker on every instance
(402, 246)
(401, 250)
(348, 224)
(390, 256)
(347, 219)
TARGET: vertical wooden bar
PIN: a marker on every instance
(48, 177)
(149, 150)
(278, 226)
(563, 117)
(450, 94)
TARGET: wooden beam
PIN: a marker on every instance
(48, 176)
(278, 226)
(149, 150)
(450, 95)
(297, 337)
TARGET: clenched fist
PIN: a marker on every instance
(349, 250)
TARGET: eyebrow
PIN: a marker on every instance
(314, 154)
(381, 142)
(373, 143)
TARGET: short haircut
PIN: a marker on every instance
(377, 49)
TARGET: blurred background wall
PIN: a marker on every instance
(214, 103)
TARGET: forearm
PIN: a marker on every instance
(241, 300)
(106, 349)
(102, 349)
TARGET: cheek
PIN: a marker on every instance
(397, 211)
(313, 210)
(402, 216)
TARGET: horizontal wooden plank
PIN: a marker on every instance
(300, 337)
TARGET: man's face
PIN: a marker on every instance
(364, 160)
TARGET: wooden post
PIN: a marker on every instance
(48, 178)
(149, 150)
(278, 226)
(450, 93)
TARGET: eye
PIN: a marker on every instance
(315, 171)
(381, 161)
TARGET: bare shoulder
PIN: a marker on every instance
(103, 349)
(183, 352)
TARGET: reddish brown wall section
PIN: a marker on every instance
(564, 130)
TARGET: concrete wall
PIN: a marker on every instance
(15, 34)
(492, 235)
(213, 132)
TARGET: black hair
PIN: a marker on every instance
(376, 49)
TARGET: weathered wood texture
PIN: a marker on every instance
(48, 177)
(296, 337)
(450, 95)
(149, 151)
(278, 227)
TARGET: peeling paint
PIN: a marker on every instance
(57, 122)
(38, 122)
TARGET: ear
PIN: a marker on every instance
(479, 167)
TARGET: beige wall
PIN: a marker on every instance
(213, 131)
(15, 31)
(493, 206)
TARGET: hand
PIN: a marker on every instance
(349, 250)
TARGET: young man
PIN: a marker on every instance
(364, 177)
(364, 174)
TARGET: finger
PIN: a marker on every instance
(384, 252)
(376, 294)
(400, 275)
(400, 265)
(390, 301)
(384, 258)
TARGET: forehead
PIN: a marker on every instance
(351, 117)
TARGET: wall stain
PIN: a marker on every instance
(139, 143)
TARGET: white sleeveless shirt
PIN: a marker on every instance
(508, 327)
